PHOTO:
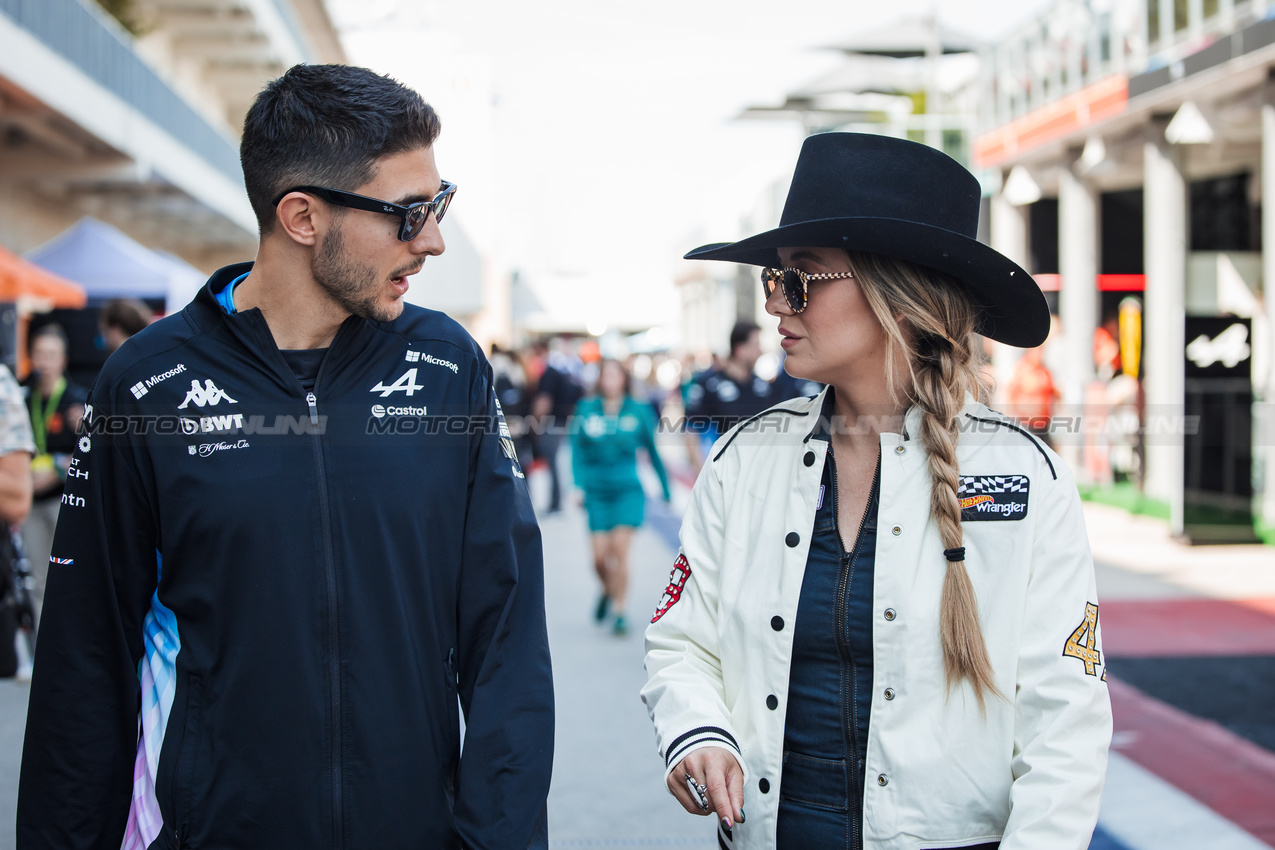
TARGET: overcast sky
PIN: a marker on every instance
(594, 140)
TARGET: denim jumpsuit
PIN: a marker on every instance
(830, 683)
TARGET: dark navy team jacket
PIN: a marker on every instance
(290, 589)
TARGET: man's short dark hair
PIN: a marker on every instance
(127, 314)
(327, 125)
(740, 334)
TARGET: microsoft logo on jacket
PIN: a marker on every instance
(140, 388)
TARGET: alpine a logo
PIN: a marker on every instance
(209, 394)
(1230, 348)
(405, 384)
(142, 387)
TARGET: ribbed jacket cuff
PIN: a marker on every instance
(697, 739)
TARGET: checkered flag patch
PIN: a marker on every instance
(977, 485)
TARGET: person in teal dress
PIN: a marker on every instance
(609, 428)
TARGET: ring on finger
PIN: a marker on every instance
(699, 790)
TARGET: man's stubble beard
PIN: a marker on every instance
(355, 287)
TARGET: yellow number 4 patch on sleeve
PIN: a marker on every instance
(1083, 643)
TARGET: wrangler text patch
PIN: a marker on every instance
(993, 497)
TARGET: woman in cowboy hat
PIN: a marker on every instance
(881, 629)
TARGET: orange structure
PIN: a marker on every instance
(22, 280)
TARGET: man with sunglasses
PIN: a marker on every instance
(295, 539)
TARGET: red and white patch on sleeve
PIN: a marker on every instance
(676, 582)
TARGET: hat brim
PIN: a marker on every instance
(1012, 309)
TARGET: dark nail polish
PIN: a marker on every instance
(741, 814)
(726, 826)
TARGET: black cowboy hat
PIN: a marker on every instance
(889, 196)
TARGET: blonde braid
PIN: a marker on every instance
(940, 392)
(929, 322)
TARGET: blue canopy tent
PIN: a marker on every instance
(109, 265)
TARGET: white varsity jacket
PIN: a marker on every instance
(940, 774)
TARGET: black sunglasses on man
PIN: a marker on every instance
(413, 215)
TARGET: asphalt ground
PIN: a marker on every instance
(1237, 691)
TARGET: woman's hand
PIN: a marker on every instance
(716, 768)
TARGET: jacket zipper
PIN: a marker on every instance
(851, 731)
(333, 620)
(334, 623)
(333, 643)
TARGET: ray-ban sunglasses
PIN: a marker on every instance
(413, 215)
(794, 284)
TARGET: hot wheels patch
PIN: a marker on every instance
(986, 498)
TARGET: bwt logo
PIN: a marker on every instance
(213, 424)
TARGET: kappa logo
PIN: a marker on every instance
(406, 384)
(209, 394)
(993, 497)
(676, 584)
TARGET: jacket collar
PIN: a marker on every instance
(250, 328)
(824, 404)
(911, 417)
(204, 310)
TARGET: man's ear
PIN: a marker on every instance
(300, 217)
